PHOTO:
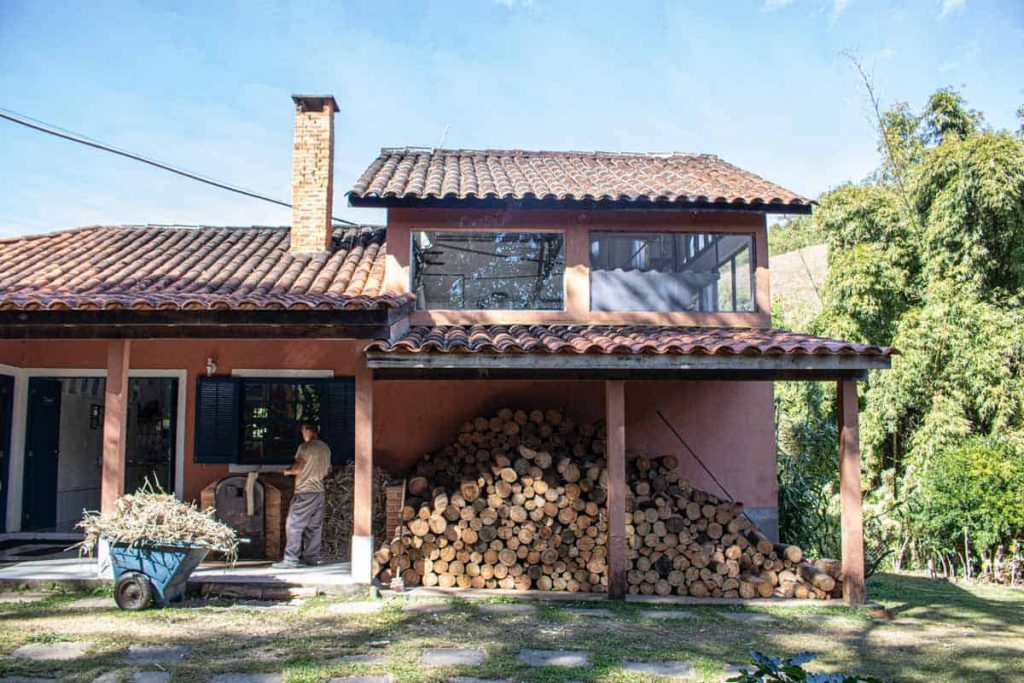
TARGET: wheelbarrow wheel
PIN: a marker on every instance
(133, 592)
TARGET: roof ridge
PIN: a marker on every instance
(387, 151)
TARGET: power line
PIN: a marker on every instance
(56, 131)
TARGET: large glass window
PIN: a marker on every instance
(671, 271)
(488, 270)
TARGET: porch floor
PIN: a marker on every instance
(84, 572)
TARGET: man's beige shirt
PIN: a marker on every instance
(316, 457)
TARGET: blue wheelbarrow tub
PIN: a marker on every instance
(166, 566)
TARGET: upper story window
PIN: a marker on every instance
(671, 271)
(488, 270)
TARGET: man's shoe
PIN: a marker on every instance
(311, 563)
(285, 564)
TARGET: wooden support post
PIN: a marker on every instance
(851, 514)
(615, 451)
(362, 526)
(115, 422)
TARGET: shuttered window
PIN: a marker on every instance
(256, 421)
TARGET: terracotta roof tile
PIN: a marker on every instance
(618, 339)
(409, 173)
(172, 267)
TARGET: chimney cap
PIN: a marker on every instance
(314, 102)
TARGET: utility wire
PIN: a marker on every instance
(695, 457)
(65, 134)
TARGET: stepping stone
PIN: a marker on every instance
(109, 677)
(453, 656)
(22, 598)
(379, 678)
(599, 613)
(753, 617)
(150, 677)
(507, 608)
(369, 607)
(427, 607)
(156, 654)
(40, 652)
(663, 669)
(667, 614)
(270, 604)
(28, 679)
(362, 659)
(567, 658)
(247, 678)
(734, 670)
(470, 679)
(94, 603)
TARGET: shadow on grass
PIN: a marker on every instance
(306, 642)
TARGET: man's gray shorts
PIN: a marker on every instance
(305, 527)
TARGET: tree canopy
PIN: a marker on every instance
(928, 256)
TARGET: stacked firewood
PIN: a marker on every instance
(688, 542)
(516, 501)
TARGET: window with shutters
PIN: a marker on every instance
(257, 421)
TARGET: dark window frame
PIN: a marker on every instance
(522, 233)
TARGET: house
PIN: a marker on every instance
(622, 287)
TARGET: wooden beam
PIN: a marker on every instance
(362, 526)
(851, 513)
(615, 452)
(115, 422)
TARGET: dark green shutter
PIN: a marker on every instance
(338, 419)
(217, 420)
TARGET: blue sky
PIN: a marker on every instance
(205, 86)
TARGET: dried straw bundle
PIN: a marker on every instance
(149, 516)
(338, 512)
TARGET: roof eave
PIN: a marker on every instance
(375, 201)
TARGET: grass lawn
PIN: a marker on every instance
(942, 632)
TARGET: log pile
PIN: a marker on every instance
(683, 541)
(518, 501)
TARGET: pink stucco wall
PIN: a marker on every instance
(729, 424)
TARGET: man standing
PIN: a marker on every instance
(305, 524)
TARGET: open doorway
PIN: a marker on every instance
(64, 445)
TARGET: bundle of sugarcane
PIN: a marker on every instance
(516, 501)
(152, 516)
(338, 510)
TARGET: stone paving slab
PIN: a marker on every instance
(599, 613)
(734, 670)
(246, 678)
(94, 603)
(22, 598)
(471, 679)
(26, 679)
(507, 609)
(150, 677)
(52, 651)
(749, 617)
(367, 607)
(270, 604)
(427, 607)
(677, 670)
(667, 614)
(453, 656)
(568, 658)
(156, 654)
(377, 678)
(362, 659)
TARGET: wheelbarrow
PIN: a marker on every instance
(152, 573)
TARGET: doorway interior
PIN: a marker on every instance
(64, 445)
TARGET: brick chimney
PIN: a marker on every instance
(312, 173)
